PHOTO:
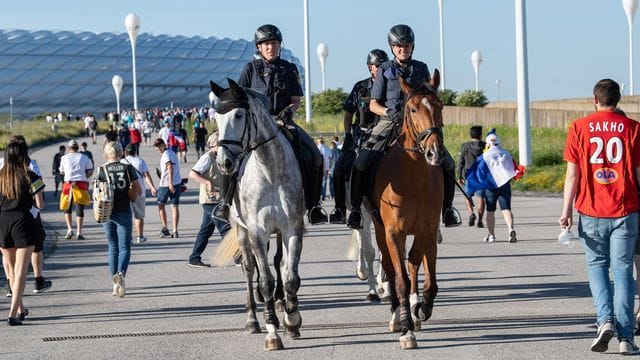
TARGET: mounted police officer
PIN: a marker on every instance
(355, 131)
(279, 81)
(387, 101)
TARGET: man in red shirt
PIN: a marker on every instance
(603, 169)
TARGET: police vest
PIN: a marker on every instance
(414, 73)
(273, 80)
(364, 116)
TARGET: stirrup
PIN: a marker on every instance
(355, 220)
(337, 216)
(317, 215)
(451, 217)
(221, 211)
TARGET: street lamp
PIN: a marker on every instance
(476, 59)
(11, 111)
(307, 70)
(442, 74)
(116, 82)
(498, 85)
(132, 24)
(323, 52)
(630, 7)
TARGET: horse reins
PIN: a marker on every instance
(418, 137)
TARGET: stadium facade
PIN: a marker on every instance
(63, 71)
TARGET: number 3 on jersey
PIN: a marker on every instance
(612, 150)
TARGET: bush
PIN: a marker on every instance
(328, 102)
(471, 98)
(448, 97)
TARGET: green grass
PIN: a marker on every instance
(38, 132)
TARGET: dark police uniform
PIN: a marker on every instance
(279, 81)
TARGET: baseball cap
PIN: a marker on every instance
(72, 143)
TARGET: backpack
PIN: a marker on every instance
(93, 125)
(102, 197)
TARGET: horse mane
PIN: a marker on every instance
(259, 106)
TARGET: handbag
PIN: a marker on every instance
(102, 198)
(131, 191)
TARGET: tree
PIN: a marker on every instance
(448, 97)
(471, 98)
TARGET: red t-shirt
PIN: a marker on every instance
(134, 135)
(605, 147)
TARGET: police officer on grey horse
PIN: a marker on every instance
(387, 101)
(356, 130)
(279, 81)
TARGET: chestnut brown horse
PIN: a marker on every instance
(408, 193)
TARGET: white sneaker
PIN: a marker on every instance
(69, 235)
(118, 285)
(604, 334)
(490, 238)
(628, 348)
(141, 239)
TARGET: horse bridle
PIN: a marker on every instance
(418, 137)
(250, 145)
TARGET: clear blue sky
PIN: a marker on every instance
(571, 43)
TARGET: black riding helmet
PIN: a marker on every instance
(377, 57)
(400, 35)
(267, 32)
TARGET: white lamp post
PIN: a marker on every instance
(307, 71)
(116, 82)
(132, 24)
(11, 111)
(498, 85)
(476, 59)
(442, 74)
(630, 7)
(323, 52)
(522, 83)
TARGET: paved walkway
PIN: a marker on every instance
(528, 300)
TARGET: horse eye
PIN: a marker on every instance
(413, 110)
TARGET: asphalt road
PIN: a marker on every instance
(528, 300)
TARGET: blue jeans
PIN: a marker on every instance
(118, 232)
(209, 223)
(611, 243)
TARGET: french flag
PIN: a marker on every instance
(492, 169)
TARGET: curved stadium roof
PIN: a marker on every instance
(45, 71)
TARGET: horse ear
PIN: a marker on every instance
(236, 89)
(404, 86)
(217, 89)
(435, 79)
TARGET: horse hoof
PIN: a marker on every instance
(293, 321)
(373, 297)
(252, 327)
(362, 276)
(394, 326)
(292, 334)
(408, 342)
(425, 311)
(280, 306)
(273, 344)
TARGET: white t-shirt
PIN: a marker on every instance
(87, 121)
(141, 167)
(74, 166)
(169, 156)
(164, 134)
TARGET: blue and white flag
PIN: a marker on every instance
(491, 170)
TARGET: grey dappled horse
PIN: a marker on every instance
(269, 199)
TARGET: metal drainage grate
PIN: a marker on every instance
(350, 325)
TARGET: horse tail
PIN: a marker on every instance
(227, 248)
(353, 248)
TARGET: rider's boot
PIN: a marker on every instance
(357, 192)
(450, 215)
(337, 216)
(227, 189)
(316, 214)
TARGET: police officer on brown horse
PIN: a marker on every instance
(279, 81)
(356, 130)
(387, 101)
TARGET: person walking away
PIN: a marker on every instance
(469, 151)
(168, 188)
(84, 149)
(183, 141)
(279, 81)
(335, 153)
(327, 158)
(118, 229)
(358, 123)
(123, 135)
(200, 137)
(135, 139)
(20, 190)
(147, 130)
(139, 206)
(110, 135)
(55, 168)
(603, 170)
(206, 173)
(76, 169)
(93, 128)
(387, 101)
